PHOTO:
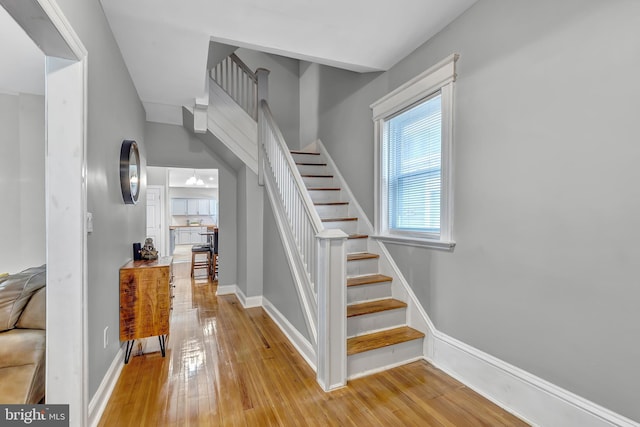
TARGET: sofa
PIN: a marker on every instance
(22, 336)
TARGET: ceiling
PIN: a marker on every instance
(178, 177)
(22, 69)
(165, 42)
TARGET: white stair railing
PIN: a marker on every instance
(317, 257)
(320, 263)
(239, 82)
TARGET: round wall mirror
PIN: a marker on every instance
(130, 171)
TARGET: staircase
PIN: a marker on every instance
(377, 331)
(356, 304)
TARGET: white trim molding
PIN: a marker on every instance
(427, 82)
(529, 397)
(525, 395)
(247, 302)
(422, 243)
(301, 344)
(438, 79)
(100, 399)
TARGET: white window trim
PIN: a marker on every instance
(440, 77)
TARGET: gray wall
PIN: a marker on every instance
(547, 201)
(279, 287)
(114, 113)
(309, 87)
(22, 182)
(194, 193)
(250, 234)
(284, 98)
(157, 175)
(174, 146)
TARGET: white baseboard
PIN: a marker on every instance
(300, 343)
(527, 396)
(100, 399)
(247, 302)
(226, 289)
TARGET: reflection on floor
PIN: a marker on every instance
(182, 253)
(229, 366)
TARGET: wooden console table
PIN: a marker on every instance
(146, 300)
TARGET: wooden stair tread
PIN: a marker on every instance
(377, 306)
(351, 218)
(361, 255)
(382, 339)
(310, 164)
(323, 188)
(368, 279)
(358, 236)
(316, 175)
(313, 153)
(330, 203)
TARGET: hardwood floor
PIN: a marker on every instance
(227, 366)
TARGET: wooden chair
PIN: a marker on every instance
(214, 255)
(197, 262)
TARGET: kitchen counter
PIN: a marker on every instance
(209, 226)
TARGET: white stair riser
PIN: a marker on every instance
(318, 181)
(349, 227)
(325, 196)
(362, 293)
(376, 360)
(360, 267)
(356, 245)
(307, 158)
(332, 211)
(359, 325)
(306, 169)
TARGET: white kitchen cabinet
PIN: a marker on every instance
(183, 236)
(203, 207)
(192, 206)
(178, 206)
(196, 238)
(190, 235)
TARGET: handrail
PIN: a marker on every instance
(308, 205)
(235, 78)
(319, 263)
(244, 67)
(302, 219)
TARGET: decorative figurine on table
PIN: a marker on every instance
(148, 251)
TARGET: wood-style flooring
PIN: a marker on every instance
(227, 366)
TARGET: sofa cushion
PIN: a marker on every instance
(34, 315)
(22, 347)
(15, 292)
(18, 385)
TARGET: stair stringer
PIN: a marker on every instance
(232, 126)
(417, 317)
(295, 267)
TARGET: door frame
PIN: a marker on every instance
(66, 201)
(162, 245)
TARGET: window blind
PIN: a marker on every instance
(413, 143)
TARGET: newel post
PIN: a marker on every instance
(332, 309)
(262, 93)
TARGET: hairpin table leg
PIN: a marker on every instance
(127, 353)
(163, 343)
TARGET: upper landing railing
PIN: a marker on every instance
(239, 82)
(317, 256)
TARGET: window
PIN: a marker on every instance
(413, 156)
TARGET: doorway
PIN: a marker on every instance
(65, 200)
(155, 217)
